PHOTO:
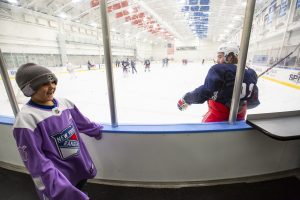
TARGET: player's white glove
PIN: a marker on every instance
(182, 105)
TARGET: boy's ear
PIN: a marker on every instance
(28, 91)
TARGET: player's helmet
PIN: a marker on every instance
(231, 48)
(221, 48)
(227, 48)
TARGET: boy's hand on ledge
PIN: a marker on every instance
(99, 137)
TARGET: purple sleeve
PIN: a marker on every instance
(49, 181)
(84, 125)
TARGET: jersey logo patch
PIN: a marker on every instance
(23, 153)
(67, 142)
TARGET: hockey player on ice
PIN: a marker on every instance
(220, 54)
(218, 88)
(71, 70)
(147, 65)
(125, 66)
(133, 68)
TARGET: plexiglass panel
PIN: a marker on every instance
(179, 38)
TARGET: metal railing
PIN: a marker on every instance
(8, 86)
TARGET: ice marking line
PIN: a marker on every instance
(282, 82)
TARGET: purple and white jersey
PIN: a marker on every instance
(49, 142)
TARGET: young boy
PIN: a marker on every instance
(47, 132)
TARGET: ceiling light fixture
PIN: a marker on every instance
(13, 1)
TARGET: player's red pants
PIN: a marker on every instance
(218, 112)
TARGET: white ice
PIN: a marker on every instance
(151, 97)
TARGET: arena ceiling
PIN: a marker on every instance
(163, 19)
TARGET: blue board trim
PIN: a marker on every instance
(162, 128)
(177, 128)
(7, 120)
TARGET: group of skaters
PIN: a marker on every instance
(130, 65)
(126, 65)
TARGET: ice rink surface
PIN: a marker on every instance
(150, 97)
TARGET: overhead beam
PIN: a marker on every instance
(32, 3)
(5, 12)
(63, 7)
(159, 19)
(85, 12)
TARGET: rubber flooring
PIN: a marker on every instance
(19, 186)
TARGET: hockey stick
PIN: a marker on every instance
(282, 59)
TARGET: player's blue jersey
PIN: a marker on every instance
(219, 84)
